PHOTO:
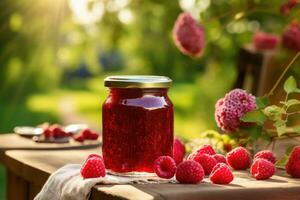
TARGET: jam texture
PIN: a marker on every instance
(137, 128)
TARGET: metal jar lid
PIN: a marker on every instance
(137, 81)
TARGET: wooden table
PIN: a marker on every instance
(27, 171)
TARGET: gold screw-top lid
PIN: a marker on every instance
(137, 81)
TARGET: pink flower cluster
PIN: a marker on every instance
(188, 35)
(265, 41)
(232, 107)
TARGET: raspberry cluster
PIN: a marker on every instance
(55, 131)
(205, 161)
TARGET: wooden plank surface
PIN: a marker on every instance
(36, 166)
(12, 141)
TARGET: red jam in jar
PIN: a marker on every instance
(137, 123)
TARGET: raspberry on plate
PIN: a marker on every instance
(266, 154)
(189, 172)
(239, 158)
(89, 134)
(178, 151)
(164, 167)
(293, 165)
(78, 138)
(206, 161)
(219, 158)
(93, 168)
(47, 133)
(262, 169)
(221, 174)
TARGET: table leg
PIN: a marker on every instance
(16, 187)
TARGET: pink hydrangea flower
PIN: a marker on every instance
(286, 8)
(291, 37)
(232, 107)
(265, 41)
(188, 35)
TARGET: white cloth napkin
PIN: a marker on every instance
(66, 183)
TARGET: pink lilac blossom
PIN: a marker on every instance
(188, 35)
(265, 41)
(291, 37)
(232, 107)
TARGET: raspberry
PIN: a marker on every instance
(189, 172)
(57, 131)
(219, 158)
(93, 168)
(93, 136)
(89, 135)
(164, 167)
(239, 158)
(205, 149)
(206, 161)
(262, 169)
(268, 155)
(291, 37)
(86, 133)
(188, 35)
(293, 165)
(78, 138)
(178, 151)
(221, 174)
(47, 133)
(94, 155)
(232, 107)
(265, 41)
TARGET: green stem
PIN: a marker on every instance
(283, 73)
(293, 113)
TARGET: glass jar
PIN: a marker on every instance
(137, 121)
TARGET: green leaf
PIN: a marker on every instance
(297, 129)
(266, 136)
(256, 116)
(282, 162)
(297, 90)
(262, 102)
(274, 112)
(255, 132)
(280, 127)
(291, 102)
(290, 85)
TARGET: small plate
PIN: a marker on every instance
(28, 131)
